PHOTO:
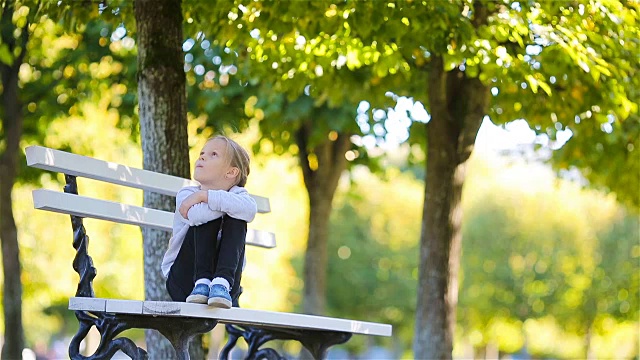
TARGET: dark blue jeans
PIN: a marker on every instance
(214, 249)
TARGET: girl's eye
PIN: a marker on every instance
(214, 153)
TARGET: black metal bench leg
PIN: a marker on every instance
(109, 326)
(234, 334)
(317, 342)
(180, 331)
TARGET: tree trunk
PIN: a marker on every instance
(163, 131)
(457, 106)
(589, 353)
(12, 300)
(12, 124)
(321, 181)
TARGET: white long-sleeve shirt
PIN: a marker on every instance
(236, 203)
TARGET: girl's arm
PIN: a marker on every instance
(212, 204)
(181, 196)
(200, 213)
(190, 210)
(236, 203)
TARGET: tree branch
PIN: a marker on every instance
(437, 87)
(480, 14)
(23, 46)
(341, 146)
(476, 101)
(302, 137)
(6, 24)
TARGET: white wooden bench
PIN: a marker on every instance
(177, 321)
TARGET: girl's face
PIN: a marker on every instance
(213, 170)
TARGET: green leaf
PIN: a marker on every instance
(5, 55)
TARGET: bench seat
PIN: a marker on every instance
(240, 316)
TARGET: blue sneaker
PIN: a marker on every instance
(219, 297)
(199, 295)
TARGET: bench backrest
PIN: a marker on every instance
(83, 166)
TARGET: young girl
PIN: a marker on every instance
(203, 261)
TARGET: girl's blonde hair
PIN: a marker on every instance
(238, 157)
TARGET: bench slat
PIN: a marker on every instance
(233, 315)
(83, 206)
(72, 164)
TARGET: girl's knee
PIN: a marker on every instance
(234, 226)
(231, 220)
(213, 224)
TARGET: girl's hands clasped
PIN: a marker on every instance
(195, 198)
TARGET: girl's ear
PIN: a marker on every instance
(233, 172)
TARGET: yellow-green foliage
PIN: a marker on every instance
(535, 256)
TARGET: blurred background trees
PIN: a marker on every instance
(543, 248)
